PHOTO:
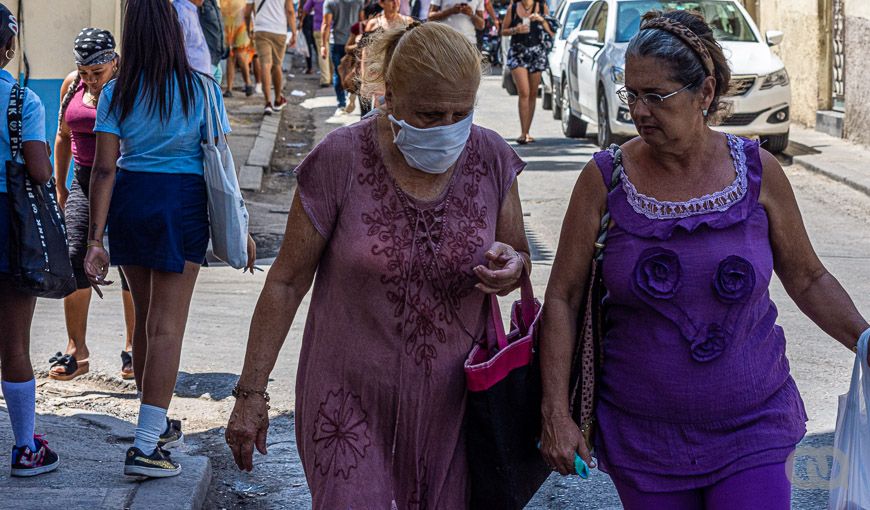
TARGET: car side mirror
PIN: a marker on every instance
(773, 37)
(589, 37)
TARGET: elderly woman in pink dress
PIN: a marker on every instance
(404, 222)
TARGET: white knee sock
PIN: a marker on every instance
(152, 423)
(21, 403)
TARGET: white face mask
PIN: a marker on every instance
(432, 150)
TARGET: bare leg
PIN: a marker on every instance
(16, 316)
(278, 79)
(231, 69)
(76, 307)
(244, 65)
(521, 80)
(139, 279)
(534, 83)
(167, 317)
(266, 75)
(129, 319)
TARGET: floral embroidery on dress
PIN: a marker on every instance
(341, 434)
(429, 249)
(420, 497)
(714, 202)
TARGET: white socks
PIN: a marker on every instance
(21, 403)
(152, 423)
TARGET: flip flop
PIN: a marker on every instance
(72, 368)
(126, 365)
(522, 140)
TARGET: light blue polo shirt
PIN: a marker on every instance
(33, 125)
(170, 146)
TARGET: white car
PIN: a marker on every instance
(569, 13)
(759, 96)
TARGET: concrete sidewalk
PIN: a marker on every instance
(835, 158)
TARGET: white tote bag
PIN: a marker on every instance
(227, 214)
(850, 472)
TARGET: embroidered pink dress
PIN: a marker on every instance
(380, 387)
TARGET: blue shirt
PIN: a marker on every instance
(194, 39)
(150, 145)
(33, 125)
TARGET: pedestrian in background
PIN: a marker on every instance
(30, 453)
(272, 20)
(463, 15)
(240, 49)
(527, 56)
(212, 24)
(695, 407)
(338, 17)
(313, 10)
(147, 185)
(421, 208)
(97, 63)
(306, 24)
(194, 39)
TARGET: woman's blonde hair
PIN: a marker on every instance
(431, 51)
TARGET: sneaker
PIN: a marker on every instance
(279, 104)
(340, 111)
(228, 93)
(258, 88)
(249, 90)
(26, 462)
(171, 436)
(268, 110)
(156, 465)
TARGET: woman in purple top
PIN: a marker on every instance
(314, 8)
(408, 219)
(97, 64)
(696, 407)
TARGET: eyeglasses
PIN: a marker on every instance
(630, 98)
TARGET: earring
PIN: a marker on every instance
(8, 56)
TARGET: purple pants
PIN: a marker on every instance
(765, 487)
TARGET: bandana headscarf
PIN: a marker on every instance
(94, 46)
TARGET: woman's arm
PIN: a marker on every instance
(102, 183)
(287, 283)
(816, 292)
(510, 253)
(36, 161)
(561, 437)
(63, 148)
(506, 29)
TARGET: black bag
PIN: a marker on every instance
(38, 251)
(504, 409)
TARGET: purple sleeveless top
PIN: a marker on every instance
(695, 385)
(81, 119)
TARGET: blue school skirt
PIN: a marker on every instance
(5, 226)
(158, 220)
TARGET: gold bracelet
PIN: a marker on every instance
(94, 243)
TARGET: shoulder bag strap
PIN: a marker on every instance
(14, 119)
(615, 176)
(260, 6)
(208, 100)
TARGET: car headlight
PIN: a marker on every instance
(617, 74)
(778, 78)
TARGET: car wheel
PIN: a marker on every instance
(557, 103)
(572, 127)
(774, 144)
(507, 83)
(605, 136)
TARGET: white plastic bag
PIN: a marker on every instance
(301, 47)
(227, 215)
(850, 472)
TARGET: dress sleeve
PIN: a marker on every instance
(506, 163)
(33, 118)
(107, 118)
(323, 179)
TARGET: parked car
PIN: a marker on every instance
(569, 13)
(758, 100)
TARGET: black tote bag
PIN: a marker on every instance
(504, 409)
(38, 251)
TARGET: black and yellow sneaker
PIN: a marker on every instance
(156, 465)
(171, 436)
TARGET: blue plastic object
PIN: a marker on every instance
(581, 469)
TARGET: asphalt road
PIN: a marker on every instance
(836, 217)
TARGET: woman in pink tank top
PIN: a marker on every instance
(97, 64)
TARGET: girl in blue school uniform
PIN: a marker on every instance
(31, 454)
(147, 186)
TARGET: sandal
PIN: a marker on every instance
(522, 140)
(72, 368)
(529, 139)
(126, 365)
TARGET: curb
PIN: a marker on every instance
(185, 491)
(251, 173)
(808, 163)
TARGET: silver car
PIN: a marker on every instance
(569, 13)
(758, 99)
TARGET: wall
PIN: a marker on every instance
(857, 119)
(49, 28)
(803, 51)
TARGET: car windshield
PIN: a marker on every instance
(724, 17)
(576, 10)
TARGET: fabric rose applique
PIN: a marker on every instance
(657, 273)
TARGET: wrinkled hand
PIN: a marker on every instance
(252, 255)
(247, 428)
(504, 271)
(560, 440)
(96, 267)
